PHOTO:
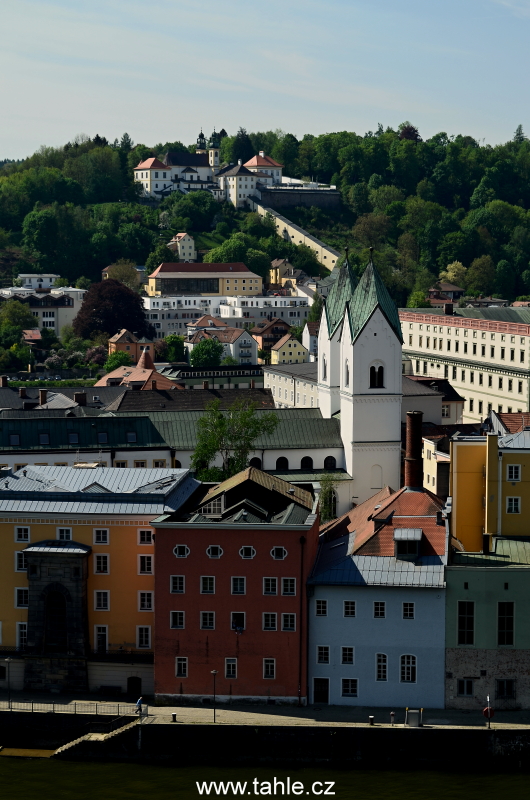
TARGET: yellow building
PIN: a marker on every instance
(289, 351)
(77, 573)
(487, 486)
(229, 280)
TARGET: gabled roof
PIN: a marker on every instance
(124, 336)
(226, 336)
(265, 480)
(514, 422)
(313, 328)
(340, 295)
(31, 335)
(151, 163)
(264, 327)
(370, 294)
(207, 321)
(262, 161)
(176, 268)
(239, 169)
(288, 337)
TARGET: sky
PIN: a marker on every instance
(162, 69)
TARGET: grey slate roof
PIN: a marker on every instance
(70, 479)
(307, 371)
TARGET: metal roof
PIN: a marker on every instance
(407, 534)
(57, 547)
(515, 441)
(109, 479)
(506, 553)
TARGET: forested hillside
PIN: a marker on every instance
(447, 204)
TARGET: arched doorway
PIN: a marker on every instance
(282, 463)
(255, 462)
(55, 626)
(306, 463)
(330, 462)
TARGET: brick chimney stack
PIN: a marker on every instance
(413, 457)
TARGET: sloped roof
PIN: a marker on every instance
(207, 321)
(239, 169)
(196, 400)
(145, 361)
(190, 268)
(313, 328)
(411, 388)
(31, 335)
(151, 163)
(124, 336)
(440, 385)
(262, 161)
(264, 327)
(514, 423)
(370, 294)
(288, 337)
(265, 480)
(226, 336)
(340, 295)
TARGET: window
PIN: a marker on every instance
(181, 667)
(176, 619)
(270, 586)
(207, 584)
(21, 598)
(181, 551)
(377, 375)
(466, 622)
(14, 439)
(480, 406)
(145, 601)
(521, 357)
(101, 564)
(513, 505)
(505, 689)
(500, 383)
(490, 381)
(238, 585)
(288, 622)
(44, 438)
(101, 601)
(230, 667)
(347, 655)
(177, 584)
(159, 464)
(513, 472)
(289, 586)
(101, 536)
(321, 608)
(22, 534)
(465, 687)
(408, 610)
(471, 405)
(381, 667)
(379, 610)
(520, 387)
(140, 464)
(208, 620)
(349, 687)
(145, 564)
(131, 437)
(492, 352)
(278, 553)
(120, 464)
(64, 534)
(145, 537)
(213, 508)
(21, 561)
(237, 620)
(102, 438)
(269, 622)
(247, 552)
(323, 654)
(214, 551)
(269, 668)
(73, 438)
(408, 669)
(349, 608)
(505, 621)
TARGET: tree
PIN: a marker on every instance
(230, 434)
(296, 331)
(505, 279)
(207, 353)
(481, 276)
(454, 273)
(125, 272)
(418, 300)
(242, 147)
(315, 312)
(519, 135)
(372, 229)
(229, 361)
(110, 306)
(160, 255)
(16, 314)
(175, 347)
(117, 359)
(328, 500)
(83, 283)
(264, 355)
(61, 283)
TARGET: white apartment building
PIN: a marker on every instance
(184, 245)
(53, 308)
(485, 353)
(34, 281)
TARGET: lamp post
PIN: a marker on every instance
(8, 662)
(214, 673)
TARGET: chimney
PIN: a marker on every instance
(262, 153)
(448, 309)
(22, 392)
(4, 381)
(43, 394)
(205, 385)
(80, 398)
(153, 386)
(239, 161)
(413, 458)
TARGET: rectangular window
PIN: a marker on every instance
(176, 619)
(322, 654)
(288, 622)
(321, 608)
(231, 668)
(379, 610)
(513, 505)
(513, 472)
(289, 586)
(237, 620)
(73, 438)
(177, 584)
(145, 565)
(159, 464)
(408, 610)
(14, 439)
(22, 635)
(44, 438)
(101, 601)
(347, 655)
(145, 537)
(492, 352)
(480, 406)
(471, 405)
(269, 668)
(503, 351)
(208, 620)
(505, 624)
(181, 667)
(505, 689)
(238, 585)
(207, 584)
(520, 387)
(466, 622)
(64, 534)
(21, 562)
(101, 564)
(408, 669)
(21, 598)
(349, 608)
(22, 534)
(101, 536)
(446, 411)
(500, 383)
(269, 622)
(349, 687)
(270, 586)
(140, 464)
(120, 464)
(480, 379)
(381, 667)
(453, 369)
(145, 601)
(465, 687)
(463, 376)
(102, 438)
(521, 357)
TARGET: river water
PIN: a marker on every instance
(43, 779)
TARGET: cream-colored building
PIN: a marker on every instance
(204, 279)
(483, 354)
(52, 308)
(238, 183)
(265, 165)
(292, 385)
(289, 351)
(184, 245)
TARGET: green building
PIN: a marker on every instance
(488, 627)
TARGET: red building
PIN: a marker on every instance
(230, 573)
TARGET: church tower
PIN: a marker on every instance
(201, 143)
(213, 150)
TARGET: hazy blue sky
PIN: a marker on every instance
(162, 69)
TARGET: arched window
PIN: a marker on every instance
(346, 374)
(306, 463)
(377, 377)
(408, 669)
(324, 368)
(330, 462)
(255, 462)
(282, 463)
(376, 477)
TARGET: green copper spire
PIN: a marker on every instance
(340, 294)
(370, 293)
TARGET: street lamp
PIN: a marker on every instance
(214, 673)
(8, 662)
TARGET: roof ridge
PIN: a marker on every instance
(370, 294)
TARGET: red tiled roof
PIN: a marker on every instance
(225, 337)
(313, 328)
(32, 335)
(205, 320)
(515, 422)
(262, 161)
(151, 163)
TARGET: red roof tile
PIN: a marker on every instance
(151, 163)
